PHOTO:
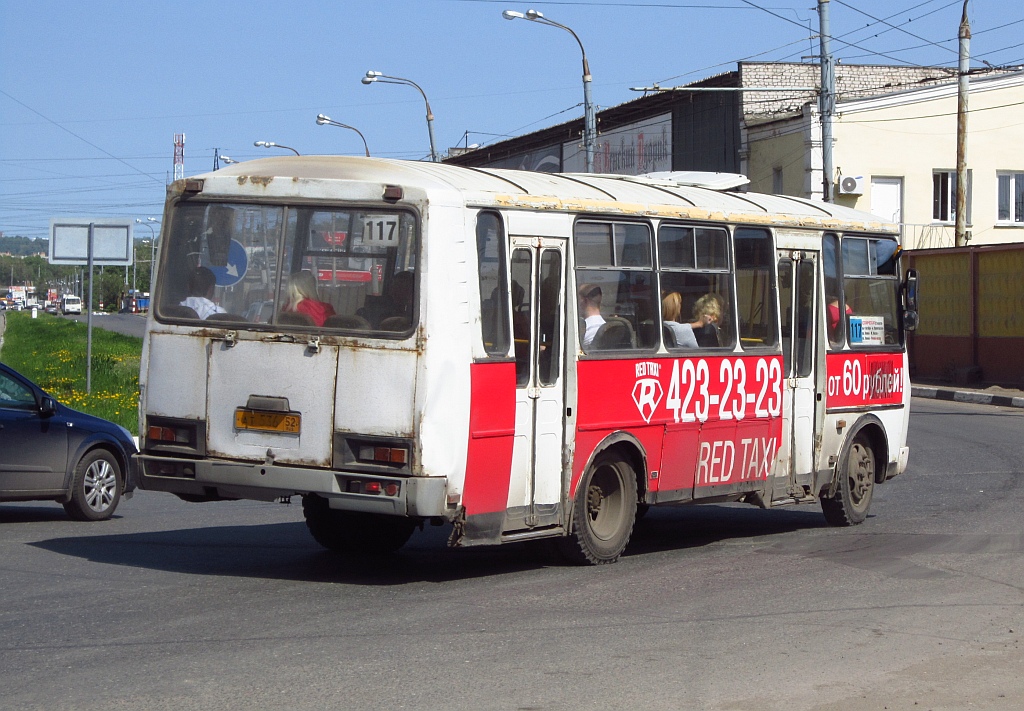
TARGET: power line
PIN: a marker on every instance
(67, 130)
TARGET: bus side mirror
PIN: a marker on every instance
(910, 288)
(910, 317)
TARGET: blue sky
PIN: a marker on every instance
(92, 92)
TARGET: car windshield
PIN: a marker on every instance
(272, 267)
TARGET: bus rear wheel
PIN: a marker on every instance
(354, 531)
(852, 500)
(604, 511)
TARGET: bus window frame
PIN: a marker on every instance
(574, 269)
(897, 284)
(278, 280)
(728, 271)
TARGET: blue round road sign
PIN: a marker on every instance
(232, 272)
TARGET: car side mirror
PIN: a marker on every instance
(47, 406)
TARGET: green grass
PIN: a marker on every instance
(51, 351)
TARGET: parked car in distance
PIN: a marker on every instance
(51, 309)
(50, 452)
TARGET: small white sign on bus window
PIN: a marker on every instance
(867, 330)
(381, 230)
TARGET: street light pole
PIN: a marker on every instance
(271, 144)
(373, 77)
(322, 120)
(589, 117)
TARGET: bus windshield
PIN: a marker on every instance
(272, 267)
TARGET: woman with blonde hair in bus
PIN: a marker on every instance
(671, 311)
(707, 312)
(303, 298)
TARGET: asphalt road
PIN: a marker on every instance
(128, 324)
(232, 605)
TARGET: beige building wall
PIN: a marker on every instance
(908, 136)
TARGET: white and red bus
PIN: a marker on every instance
(523, 355)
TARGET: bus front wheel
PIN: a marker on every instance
(604, 511)
(852, 499)
(353, 531)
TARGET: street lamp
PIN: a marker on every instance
(589, 120)
(372, 77)
(322, 120)
(227, 160)
(271, 144)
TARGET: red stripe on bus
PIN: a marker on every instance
(492, 415)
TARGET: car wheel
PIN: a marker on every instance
(96, 487)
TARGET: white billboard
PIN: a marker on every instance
(644, 147)
(111, 241)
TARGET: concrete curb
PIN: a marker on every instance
(966, 396)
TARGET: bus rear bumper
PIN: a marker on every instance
(219, 480)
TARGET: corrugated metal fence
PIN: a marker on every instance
(972, 314)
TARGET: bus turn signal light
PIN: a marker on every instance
(384, 455)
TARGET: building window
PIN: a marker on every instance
(944, 196)
(1011, 197)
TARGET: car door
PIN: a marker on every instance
(33, 447)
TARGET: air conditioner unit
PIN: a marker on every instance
(851, 185)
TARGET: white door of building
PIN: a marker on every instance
(887, 198)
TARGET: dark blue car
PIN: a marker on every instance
(50, 452)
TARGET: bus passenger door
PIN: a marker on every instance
(538, 285)
(798, 279)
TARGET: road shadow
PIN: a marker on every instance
(14, 512)
(285, 551)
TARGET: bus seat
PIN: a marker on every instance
(227, 318)
(288, 318)
(178, 311)
(395, 323)
(616, 334)
(670, 338)
(357, 323)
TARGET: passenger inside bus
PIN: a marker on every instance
(201, 286)
(392, 311)
(833, 317)
(590, 311)
(303, 298)
(679, 335)
(707, 312)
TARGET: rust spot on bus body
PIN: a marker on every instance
(262, 180)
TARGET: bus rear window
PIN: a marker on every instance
(280, 268)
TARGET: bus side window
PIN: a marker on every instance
(615, 286)
(494, 308)
(756, 296)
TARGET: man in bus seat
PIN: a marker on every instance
(395, 301)
(201, 286)
(590, 311)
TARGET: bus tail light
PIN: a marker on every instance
(169, 434)
(384, 455)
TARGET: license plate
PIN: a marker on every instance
(268, 421)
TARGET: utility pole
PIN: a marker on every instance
(826, 100)
(961, 130)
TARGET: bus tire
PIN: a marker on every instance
(353, 531)
(857, 472)
(604, 511)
